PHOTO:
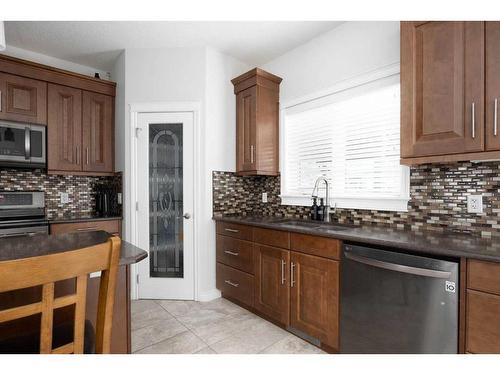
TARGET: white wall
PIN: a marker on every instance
(346, 51)
(53, 61)
(183, 75)
(219, 135)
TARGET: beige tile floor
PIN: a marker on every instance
(219, 326)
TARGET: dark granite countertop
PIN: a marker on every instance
(42, 244)
(428, 242)
(82, 218)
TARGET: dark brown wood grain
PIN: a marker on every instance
(243, 232)
(110, 226)
(442, 74)
(492, 37)
(483, 276)
(315, 245)
(483, 324)
(235, 253)
(23, 99)
(98, 132)
(276, 238)
(235, 284)
(257, 123)
(64, 128)
(272, 290)
(314, 297)
(50, 74)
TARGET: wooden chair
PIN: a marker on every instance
(46, 270)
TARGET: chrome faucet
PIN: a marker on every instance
(326, 216)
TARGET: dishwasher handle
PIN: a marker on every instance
(398, 267)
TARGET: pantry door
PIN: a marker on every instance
(165, 179)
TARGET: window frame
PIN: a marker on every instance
(399, 204)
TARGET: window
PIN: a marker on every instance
(350, 137)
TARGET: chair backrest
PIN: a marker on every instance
(45, 271)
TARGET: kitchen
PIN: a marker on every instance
(268, 199)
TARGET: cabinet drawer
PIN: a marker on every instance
(314, 245)
(483, 325)
(483, 276)
(235, 253)
(271, 237)
(242, 232)
(110, 226)
(235, 284)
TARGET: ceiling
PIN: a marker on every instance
(98, 43)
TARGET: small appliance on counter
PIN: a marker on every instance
(106, 201)
(22, 213)
(22, 145)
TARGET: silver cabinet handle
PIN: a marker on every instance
(27, 143)
(86, 229)
(473, 120)
(283, 278)
(231, 283)
(495, 118)
(231, 230)
(77, 156)
(87, 153)
(231, 253)
(0, 101)
(292, 270)
(251, 154)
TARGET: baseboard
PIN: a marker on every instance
(209, 295)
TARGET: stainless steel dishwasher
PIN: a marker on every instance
(397, 303)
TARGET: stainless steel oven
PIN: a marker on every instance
(22, 145)
(22, 213)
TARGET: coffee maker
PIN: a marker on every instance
(106, 201)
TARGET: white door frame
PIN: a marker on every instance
(131, 216)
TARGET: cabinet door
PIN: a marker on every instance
(64, 128)
(97, 132)
(246, 130)
(272, 293)
(442, 88)
(492, 85)
(23, 99)
(315, 297)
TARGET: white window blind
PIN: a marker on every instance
(351, 138)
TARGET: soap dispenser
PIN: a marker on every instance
(321, 210)
(314, 209)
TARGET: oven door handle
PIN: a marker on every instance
(27, 143)
(19, 234)
(398, 267)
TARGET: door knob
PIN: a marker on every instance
(186, 216)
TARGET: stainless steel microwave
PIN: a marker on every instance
(22, 145)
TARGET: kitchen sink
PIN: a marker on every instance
(316, 225)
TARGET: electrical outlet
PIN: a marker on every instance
(119, 198)
(64, 198)
(264, 197)
(475, 204)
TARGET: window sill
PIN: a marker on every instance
(379, 204)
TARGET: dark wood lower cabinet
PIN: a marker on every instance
(235, 284)
(272, 292)
(314, 297)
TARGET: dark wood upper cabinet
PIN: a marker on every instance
(442, 88)
(314, 302)
(257, 123)
(97, 145)
(23, 99)
(64, 128)
(272, 292)
(492, 42)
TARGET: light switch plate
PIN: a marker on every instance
(474, 204)
(264, 197)
(64, 198)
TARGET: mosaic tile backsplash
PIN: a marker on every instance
(438, 199)
(80, 189)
